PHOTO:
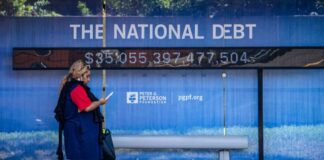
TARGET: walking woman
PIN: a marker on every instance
(79, 115)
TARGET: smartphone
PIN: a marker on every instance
(109, 95)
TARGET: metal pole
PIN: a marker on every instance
(224, 75)
(260, 113)
(224, 154)
(104, 71)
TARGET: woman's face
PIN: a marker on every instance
(86, 77)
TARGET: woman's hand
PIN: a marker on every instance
(95, 104)
(102, 101)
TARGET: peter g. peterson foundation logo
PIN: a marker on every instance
(132, 97)
(145, 98)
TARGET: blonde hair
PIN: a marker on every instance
(77, 69)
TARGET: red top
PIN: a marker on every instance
(80, 98)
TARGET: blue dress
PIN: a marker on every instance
(81, 133)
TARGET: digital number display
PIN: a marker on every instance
(137, 58)
(176, 58)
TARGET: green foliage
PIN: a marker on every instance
(148, 8)
(4, 5)
(200, 8)
(23, 8)
(2, 11)
(83, 8)
(211, 8)
(19, 7)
